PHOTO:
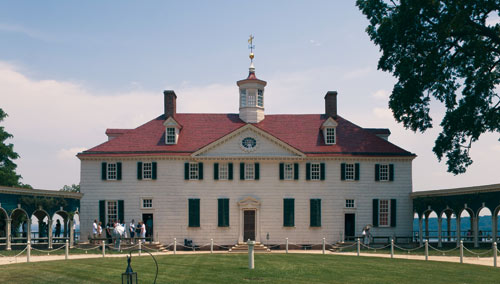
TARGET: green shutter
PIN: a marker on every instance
(155, 167)
(118, 171)
(121, 211)
(323, 171)
(308, 171)
(139, 170)
(223, 212)
(342, 171)
(377, 172)
(257, 171)
(200, 171)
(104, 171)
(194, 212)
(393, 212)
(102, 212)
(315, 214)
(282, 171)
(186, 171)
(356, 171)
(216, 171)
(242, 171)
(230, 171)
(296, 171)
(391, 172)
(375, 213)
(288, 212)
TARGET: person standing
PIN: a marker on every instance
(94, 230)
(132, 231)
(143, 232)
(58, 228)
(99, 230)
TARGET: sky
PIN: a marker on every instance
(69, 70)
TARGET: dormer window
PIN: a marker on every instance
(172, 129)
(329, 128)
(260, 98)
(170, 135)
(243, 98)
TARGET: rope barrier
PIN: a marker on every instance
(443, 251)
(48, 251)
(21, 252)
(408, 250)
(221, 246)
(478, 253)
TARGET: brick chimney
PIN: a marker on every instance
(170, 106)
(331, 104)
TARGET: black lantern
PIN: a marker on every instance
(129, 277)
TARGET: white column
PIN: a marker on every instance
(71, 233)
(49, 233)
(494, 232)
(475, 227)
(440, 222)
(251, 254)
(9, 221)
(420, 230)
(459, 238)
(28, 236)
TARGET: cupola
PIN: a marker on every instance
(251, 93)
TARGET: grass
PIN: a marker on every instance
(269, 268)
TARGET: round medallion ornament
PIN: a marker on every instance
(248, 144)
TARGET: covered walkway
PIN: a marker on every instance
(452, 203)
(21, 207)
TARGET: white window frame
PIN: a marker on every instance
(251, 99)
(112, 213)
(171, 135)
(384, 213)
(350, 171)
(147, 170)
(350, 201)
(112, 171)
(315, 171)
(260, 98)
(249, 171)
(223, 171)
(288, 171)
(330, 135)
(147, 199)
(194, 171)
(383, 172)
(243, 98)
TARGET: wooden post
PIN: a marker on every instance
(49, 233)
(71, 233)
(359, 246)
(29, 231)
(67, 249)
(211, 245)
(392, 248)
(175, 245)
(9, 239)
(420, 230)
(140, 247)
(250, 254)
(475, 227)
(28, 253)
(461, 251)
(459, 237)
(426, 249)
(323, 245)
(103, 248)
(494, 254)
(286, 245)
(440, 231)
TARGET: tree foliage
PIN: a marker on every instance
(442, 50)
(8, 176)
(71, 188)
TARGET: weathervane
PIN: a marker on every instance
(251, 47)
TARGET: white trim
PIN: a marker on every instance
(249, 203)
(152, 203)
(115, 171)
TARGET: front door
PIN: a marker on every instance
(148, 221)
(349, 226)
(249, 225)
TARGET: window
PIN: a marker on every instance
(194, 212)
(170, 135)
(330, 135)
(288, 171)
(112, 170)
(223, 171)
(260, 98)
(147, 170)
(384, 172)
(112, 211)
(193, 171)
(147, 203)
(315, 171)
(315, 212)
(249, 171)
(349, 203)
(383, 213)
(223, 206)
(243, 98)
(251, 99)
(349, 171)
(288, 212)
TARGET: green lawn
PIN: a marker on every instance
(269, 268)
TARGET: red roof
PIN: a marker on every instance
(301, 131)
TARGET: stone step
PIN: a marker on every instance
(243, 247)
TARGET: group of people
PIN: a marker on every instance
(115, 231)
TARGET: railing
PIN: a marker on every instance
(467, 236)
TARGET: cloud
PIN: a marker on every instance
(382, 113)
(314, 42)
(64, 154)
(381, 94)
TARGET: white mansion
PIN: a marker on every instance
(233, 177)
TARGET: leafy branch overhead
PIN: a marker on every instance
(443, 50)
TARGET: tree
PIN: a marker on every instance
(8, 176)
(446, 50)
(72, 188)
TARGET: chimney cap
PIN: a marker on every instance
(331, 93)
(168, 92)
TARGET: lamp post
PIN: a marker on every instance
(129, 276)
